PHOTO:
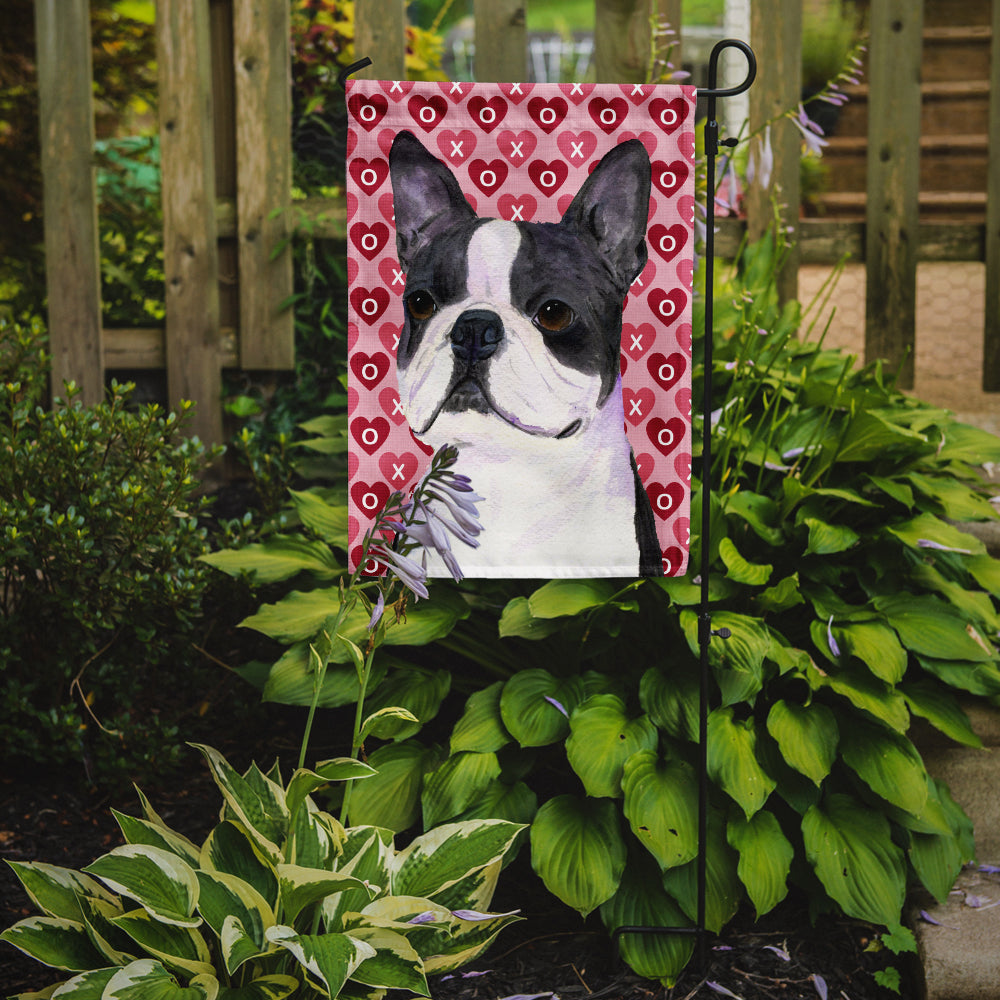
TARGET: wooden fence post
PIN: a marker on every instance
(262, 61)
(190, 251)
(892, 215)
(501, 41)
(776, 35)
(380, 34)
(622, 40)
(991, 332)
(72, 255)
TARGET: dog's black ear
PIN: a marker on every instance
(612, 209)
(426, 197)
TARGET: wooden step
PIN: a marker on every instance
(945, 106)
(956, 53)
(958, 206)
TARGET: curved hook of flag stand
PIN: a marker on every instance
(705, 631)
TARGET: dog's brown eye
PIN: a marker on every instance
(554, 316)
(421, 305)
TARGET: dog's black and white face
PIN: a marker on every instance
(515, 324)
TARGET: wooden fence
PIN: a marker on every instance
(226, 160)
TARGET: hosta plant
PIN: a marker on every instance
(279, 900)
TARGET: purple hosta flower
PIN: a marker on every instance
(727, 198)
(427, 917)
(812, 134)
(834, 648)
(927, 543)
(377, 612)
(760, 166)
(475, 915)
(719, 988)
(411, 574)
(820, 984)
(558, 705)
(780, 952)
(990, 869)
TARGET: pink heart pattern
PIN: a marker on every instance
(520, 152)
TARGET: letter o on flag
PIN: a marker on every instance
(427, 114)
(369, 436)
(668, 116)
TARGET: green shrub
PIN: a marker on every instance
(99, 541)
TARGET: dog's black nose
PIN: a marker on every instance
(476, 335)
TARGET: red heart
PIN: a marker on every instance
(668, 177)
(392, 275)
(369, 174)
(370, 434)
(352, 335)
(516, 92)
(397, 89)
(644, 463)
(684, 337)
(369, 304)
(369, 369)
(516, 146)
(457, 147)
(398, 470)
(682, 466)
(352, 142)
(488, 113)
(667, 371)
(548, 177)
(682, 530)
(385, 140)
(668, 305)
(665, 500)
(636, 340)
(577, 147)
(389, 335)
(373, 567)
(673, 560)
(367, 109)
(638, 404)
(666, 435)
(352, 270)
(388, 399)
(547, 115)
(683, 402)
(353, 462)
(635, 92)
(623, 363)
(369, 239)
(669, 115)
(488, 176)
(608, 115)
(427, 112)
(369, 498)
(668, 242)
(577, 92)
(386, 207)
(452, 90)
(519, 209)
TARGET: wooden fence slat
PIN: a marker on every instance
(261, 57)
(892, 215)
(190, 253)
(991, 331)
(501, 41)
(776, 36)
(72, 256)
(380, 34)
(621, 40)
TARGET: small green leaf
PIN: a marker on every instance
(181, 948)
(936, 704)
(395, 964)
(732, 760)
(328, 521)
(807, 736)
(417, 690)
(765, 858)
(301, 887)
(738, 569)
(928, 528)
(671, 700)
(828, 539)
(517, 620)
(56, 891)
(932, 628)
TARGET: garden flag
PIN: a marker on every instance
(520, 259)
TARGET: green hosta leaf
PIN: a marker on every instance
(738, 569)
(931, 628)
(54, 941)
(304, 782)
(732, 760)
(602, 738)
(56, 891)
(230, 849)
(159, 881)
(641, 901)
(965, 443)
(395, 964)
(876, 646)
(986, 572)
(783, 595)
(141, 831)
(941, 709)
(957, 501)
(456, 784)
(893, 488)
(828, 539)
(888, 763)
(275, 987)
(147, 979)
(738, 661)
(928, 528)
(530, 706)
(866, 692)
(327, 520)
(438, 859)
(807, 736)
(661, 798)
(937, 859)
(758, 511)
(279, 558)
(723, 889)
(976, 678)
(850, 848)
(225, 897)
(516, 803)
(330, 959)
(671, 700)
(765, 858)
(385, 723)
(301, 887)
(481, 728)
(869, 436)
(417, 690)
(180, 948)
(558, 598)
(578, 851)
(292, 680)
(391, 798)
(975, 605)
(517, 620)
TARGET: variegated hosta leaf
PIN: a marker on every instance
(225, 897)
(602, 737)
(87, 986)
(475, 891)
(229, 848)
(850, 847)
(578, 851)
(441, 857)
(274, 987)
(147, 979)
(765, 858)
(457, 784)
(329, 959)
(807, 736)
(367, 853)
(661, 799)
(304, 782)
(116, 946)
(315, 839)
(468, 939)
(56, 891)
(141, 831)
(158, 880)
(481, 727)
(732, 760)
(54, 941)
(177, 947)
(395, 964)
(300, 887)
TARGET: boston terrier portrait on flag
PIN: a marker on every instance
(515, 327)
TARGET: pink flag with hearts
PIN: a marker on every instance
(520, 259)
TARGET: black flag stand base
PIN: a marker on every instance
(705, 631)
